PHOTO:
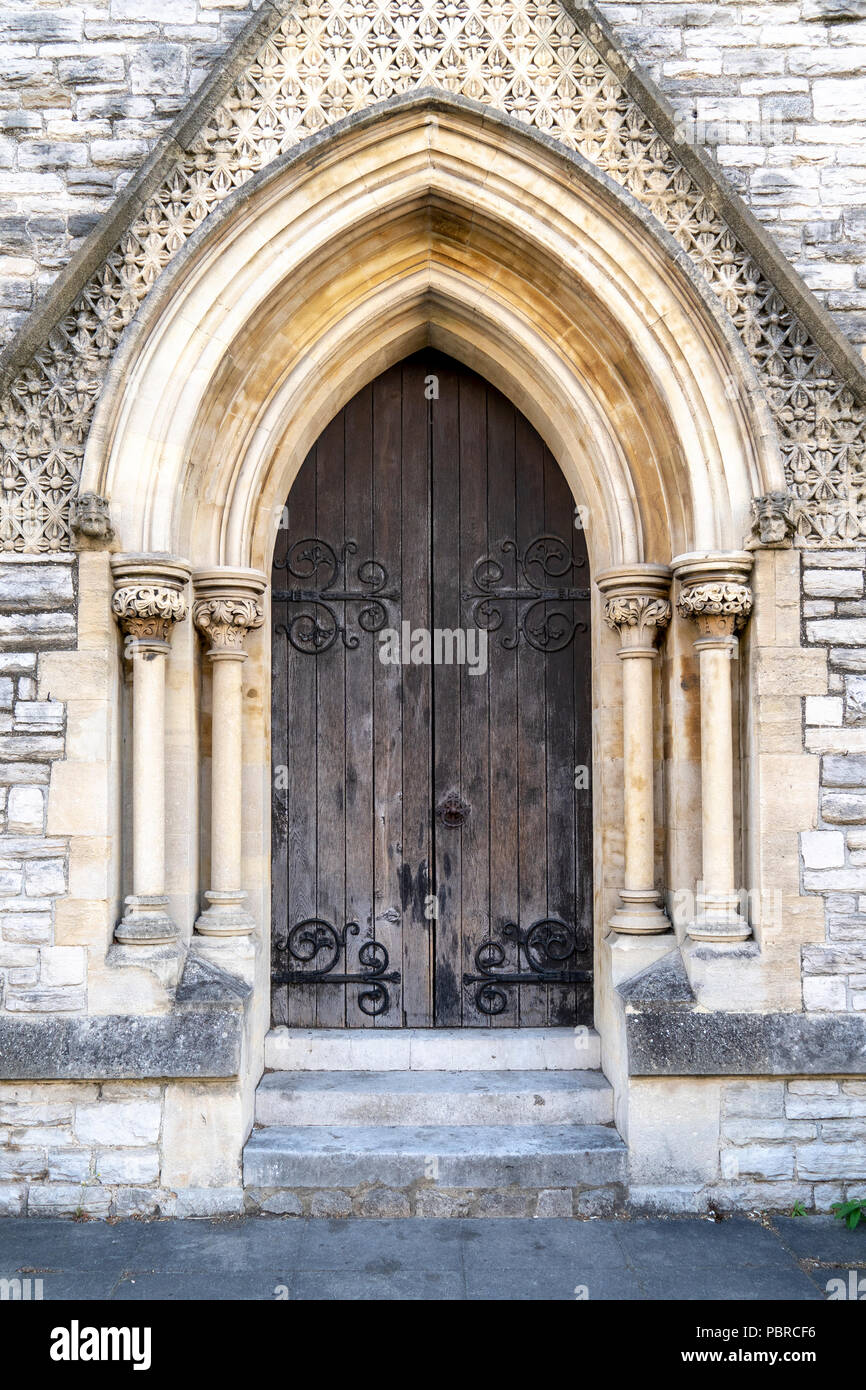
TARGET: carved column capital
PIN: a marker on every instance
(714, 592)
(149, 596)
(719, 610)
(636, 605)
(228, 606)
(638, 618)
(225, 622)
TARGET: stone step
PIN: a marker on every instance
(347, 1157)
(432, 1049)
(434, 1098)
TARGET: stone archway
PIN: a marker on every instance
(430, 223)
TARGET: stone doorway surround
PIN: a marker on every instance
(412, 226)
(204, 476)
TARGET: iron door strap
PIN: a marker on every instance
(544, 601)
(318, 566)
(547, 947)
(320, 946)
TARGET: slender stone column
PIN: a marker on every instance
(149, 598)
(227, 605)
(636, 605)
(715, 595)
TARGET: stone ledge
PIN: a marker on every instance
(681, 1041)
(201, 1041)
(421, 1200)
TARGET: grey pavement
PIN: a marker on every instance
(265, 1258)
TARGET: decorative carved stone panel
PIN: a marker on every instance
(324, 61)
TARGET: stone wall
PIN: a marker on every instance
(115, 1149)
(774, 89)
(37, 609)
(834, 852)
(784, 1142)
(777, 92)
(87, 90)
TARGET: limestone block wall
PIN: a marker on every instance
(783, 1142)
(777, 92)
(87, 90)
(759, 1143)
(37, 613)
(774, 89)
(118, 1149)
(833, 852)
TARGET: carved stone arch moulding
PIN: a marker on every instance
(550, 64)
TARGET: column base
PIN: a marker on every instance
(225, 916)
(145, 922)
(640, 914)
(719, 919)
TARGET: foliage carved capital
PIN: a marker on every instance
(719, 608)
(148, 612)
(225, 621)
(639, 618)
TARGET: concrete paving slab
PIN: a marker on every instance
(244, 1244)
(370, 1246)
(521, 1285)
(199, 1286)
(697, 1244)
(730, 1283)
(53, 1243)
(356, 1285)
(260, 1258)
(823, 1238)
(582, 1245)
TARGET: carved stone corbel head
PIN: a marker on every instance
(91, 521)
(773, 522)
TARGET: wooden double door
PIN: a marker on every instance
(431, 719)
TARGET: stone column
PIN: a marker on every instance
(637, 606)
(149, 598)
(227, 605)
(715, 595)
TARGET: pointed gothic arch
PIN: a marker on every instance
(431, 221)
